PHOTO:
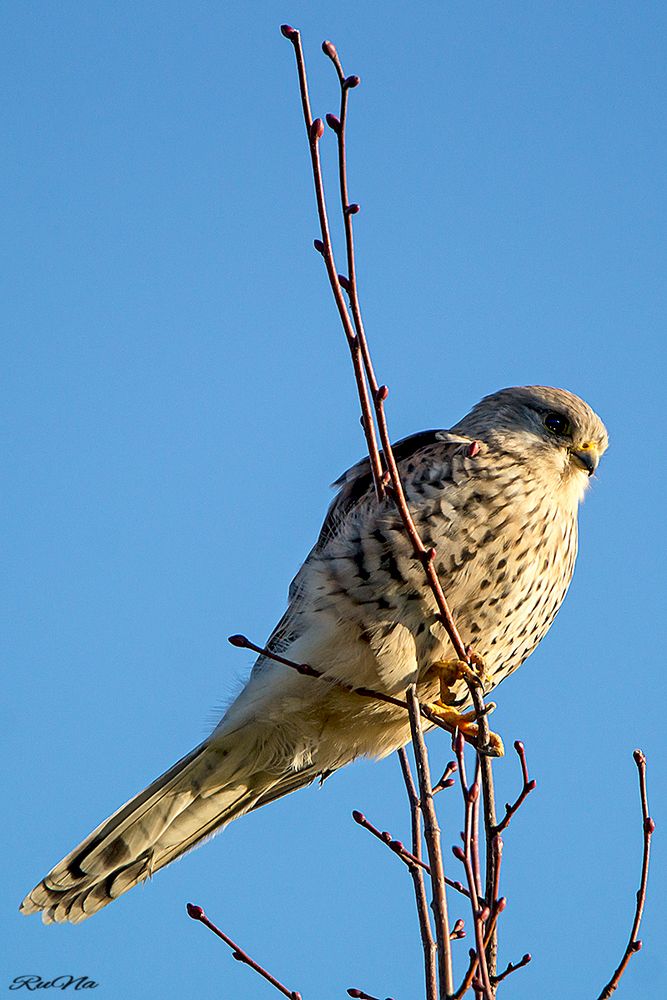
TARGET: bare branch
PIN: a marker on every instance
(398, 848)
(648, 826)
(426, 934)
(479, 913)
(432, 837)
(360, 995)
(242, 642)
(446, 781)
(314, 131)
(356, 338)
(528, 786)
(197, 913)
(512, 967)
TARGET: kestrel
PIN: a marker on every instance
(497, 497)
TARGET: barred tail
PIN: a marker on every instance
(201, 793)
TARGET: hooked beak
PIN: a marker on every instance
(586, 456)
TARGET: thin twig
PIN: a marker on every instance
(314, 130)
(446, 781)
(474, 832)
(358, 345)
(361, 995)
(648, 826)
(492, 857)
(432, 837)
(528, 786)
(479, 913)
(395, 846)
(425, 931)
(512, 967)
(398, 848)
(197, 913)
(242, 642)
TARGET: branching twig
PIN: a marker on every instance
(512, 967)
(354, 330)
(314, 130)
(634, 944)
(239, 954)
(400, 850)
(242, 642)
(446, 781)
(363, 369)
(528, 786)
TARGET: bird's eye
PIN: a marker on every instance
(557, 424)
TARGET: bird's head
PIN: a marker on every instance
(546, 425)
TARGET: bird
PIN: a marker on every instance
(497, 498)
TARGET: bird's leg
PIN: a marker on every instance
(449, 672)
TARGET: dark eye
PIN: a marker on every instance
(557, 424)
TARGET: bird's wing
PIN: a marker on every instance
(357, 482)
(354, 488)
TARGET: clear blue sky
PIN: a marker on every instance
(177, 396)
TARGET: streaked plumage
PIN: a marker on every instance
(503, 518)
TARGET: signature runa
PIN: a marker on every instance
(59, 983)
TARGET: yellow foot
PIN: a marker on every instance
(466, 724)
(450, 671)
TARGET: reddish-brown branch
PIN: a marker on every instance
(492, 857)
(355, 336)
(446, 781)
(314, 129)
(474, 833)
(197, 913)
(512, 967)
(479, 913)
(398, 848)
(359, 348)
(432, 837)
(425, 930)
(360, 995)
(528, 786)
(242, 642)
(648, 826)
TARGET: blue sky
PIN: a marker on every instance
(177, 396)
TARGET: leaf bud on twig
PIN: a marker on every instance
(316, 130)
(358, 817)
(353, 209)
(319, 246)
(289, 32)
(351, 81)
(458, 853)
(194, 911)
(238, 640)
(334, 123)
(329, 49)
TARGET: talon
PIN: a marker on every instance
(450, 671)
(466, 723)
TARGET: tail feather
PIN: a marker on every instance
(201, 793)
